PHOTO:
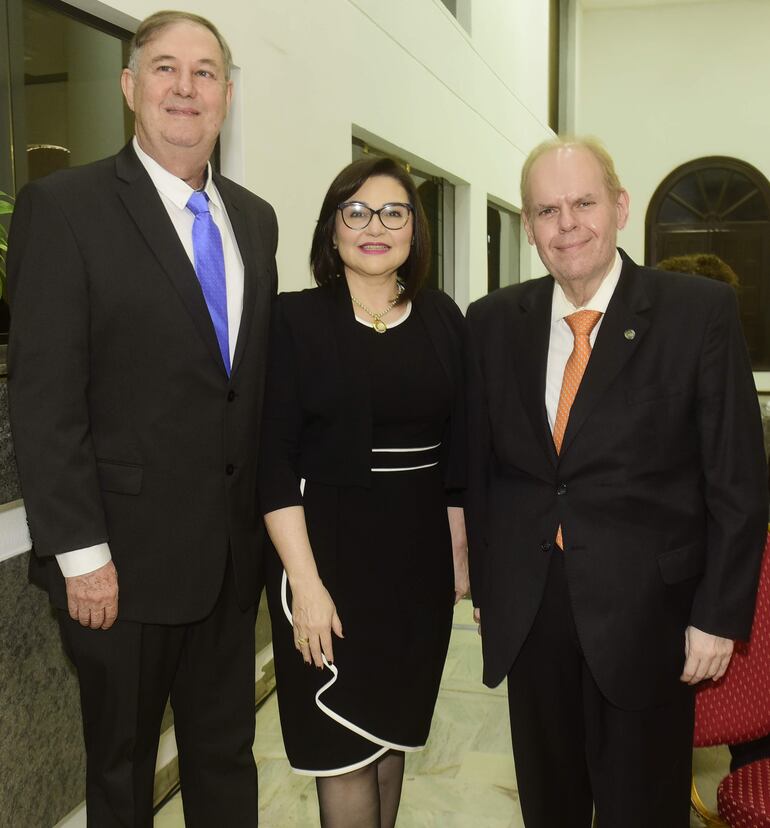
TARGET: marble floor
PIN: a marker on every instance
(464, 779)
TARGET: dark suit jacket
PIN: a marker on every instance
(318, 419)
(125, 424)
(660, 486)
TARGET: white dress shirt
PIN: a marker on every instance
(561, 339)
(174, 193)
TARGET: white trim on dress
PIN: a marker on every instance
(408, 468)
(346, 723)
(405, 451)
(419, 448)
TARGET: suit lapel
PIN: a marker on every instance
(530, 353)
(143, 203)
(249, 244)
(354, 372)
(438, 334)
(614, 346)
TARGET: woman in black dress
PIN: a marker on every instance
(360, 481)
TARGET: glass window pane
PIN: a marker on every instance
(73, 108)
(503, 247)
(738, 187)
(714, 182)
(687, 190)
(673, 212)
(70, 109)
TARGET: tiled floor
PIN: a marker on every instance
(464, 779)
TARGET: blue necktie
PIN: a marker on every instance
(210, 269)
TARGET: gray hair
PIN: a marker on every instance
(152, 25)
(592, 145)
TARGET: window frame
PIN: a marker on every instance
(13, 145)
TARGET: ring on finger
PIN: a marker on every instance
(303, 640)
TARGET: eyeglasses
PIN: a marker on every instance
(357, 215)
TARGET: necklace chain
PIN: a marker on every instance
(378, 324)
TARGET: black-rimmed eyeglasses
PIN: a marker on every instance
(357, 215)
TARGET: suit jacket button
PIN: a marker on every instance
(229, 469)
(562, 489)
(545, 546)
(230, 395)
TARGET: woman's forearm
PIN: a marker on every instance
(288, 532)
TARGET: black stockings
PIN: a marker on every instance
(364, 798)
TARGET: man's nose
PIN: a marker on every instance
(184, 84)
(566, 219)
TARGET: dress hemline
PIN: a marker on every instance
(385, 745)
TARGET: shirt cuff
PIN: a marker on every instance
(83, 561)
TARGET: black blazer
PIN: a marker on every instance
(317, 421)
(125, 424)
(660, 487)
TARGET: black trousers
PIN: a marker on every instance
(126, 675)
(747, 752)
(574, 750)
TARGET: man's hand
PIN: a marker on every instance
(92, 598)
(456, 518)
(706, 656)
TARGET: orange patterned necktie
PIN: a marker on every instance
(581, 324)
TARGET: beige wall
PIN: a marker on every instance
(665, 85)
(404, 73)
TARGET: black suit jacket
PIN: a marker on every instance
(318, 412)
(660, 486)
(125, 424)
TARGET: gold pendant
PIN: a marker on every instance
(379, 326)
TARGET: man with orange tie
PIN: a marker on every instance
(617, 507)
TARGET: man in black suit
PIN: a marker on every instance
(140, 291)
(617, 507)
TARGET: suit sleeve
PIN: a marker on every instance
(279, 482)
(48, 377)
(479, 448)
(456, 456)
(734, 478)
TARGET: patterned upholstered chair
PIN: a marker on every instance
(737, 709)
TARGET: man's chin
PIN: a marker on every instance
(183, 139)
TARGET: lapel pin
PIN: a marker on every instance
(629, 334)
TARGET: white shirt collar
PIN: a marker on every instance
(561, 306)
(178, 192)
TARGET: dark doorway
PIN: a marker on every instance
(493, 249)
(720, 205)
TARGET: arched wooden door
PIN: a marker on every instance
(720, 205)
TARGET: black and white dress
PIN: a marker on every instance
(384, 553)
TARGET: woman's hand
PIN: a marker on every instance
(459, 551)
(314, 616)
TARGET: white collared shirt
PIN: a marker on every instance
(174, 193)
(561, 339)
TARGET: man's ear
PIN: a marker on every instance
(622, 208)
(127, 83)
(528, 228)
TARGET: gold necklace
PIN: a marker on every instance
(378, 324)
